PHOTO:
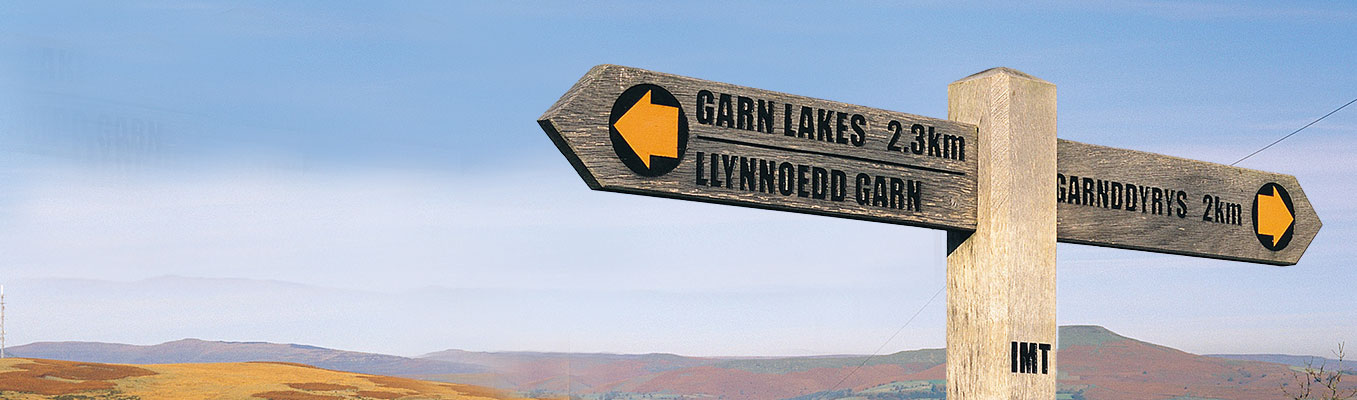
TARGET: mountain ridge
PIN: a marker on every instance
(1289, 359)
(1094, 362)
(204, 351)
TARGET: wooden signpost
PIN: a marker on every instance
(1144, 201)
(993, 175)
(1001, 276)
(636, 131)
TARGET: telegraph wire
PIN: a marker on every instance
(1295, 132)
(888, 340)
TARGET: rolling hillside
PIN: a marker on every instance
(1100, 364)
(203, 351)
(559, 372)
(1295, 361)
(22, 378)
(1094, 363)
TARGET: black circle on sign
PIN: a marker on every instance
(1266, 240)
(659, 165)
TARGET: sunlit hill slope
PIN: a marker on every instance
(1092, 363)
(23, 378)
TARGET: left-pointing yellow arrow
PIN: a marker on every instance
(650, 129)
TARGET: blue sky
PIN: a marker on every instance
(263, 171)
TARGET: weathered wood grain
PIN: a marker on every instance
(579, 125)
(1001, 278)
(1192, 231)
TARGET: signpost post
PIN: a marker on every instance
(993, 175)
(1001, 276)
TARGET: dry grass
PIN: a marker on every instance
(320, 386)
(478, 391)
(294, 395)
(424, 386)
(400, 383)
(52, 377)
(283, 363)
(45, 379)
(378, 394)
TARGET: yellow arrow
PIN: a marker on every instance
(1273, 216)
(650, 129)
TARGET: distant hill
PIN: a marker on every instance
(558, 372)
(1286, 359)
(22, 378)
(1099, 364)
(910, 360)
(1094, 363)
(203, 351)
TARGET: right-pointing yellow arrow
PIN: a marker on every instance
(1273, 216)
(650, 129)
